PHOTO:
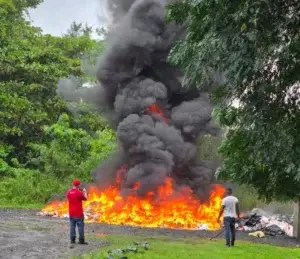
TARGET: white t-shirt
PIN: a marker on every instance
(230, 210)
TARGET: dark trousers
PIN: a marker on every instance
(79, 222)
(229, 230)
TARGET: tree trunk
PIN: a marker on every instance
(296, 228)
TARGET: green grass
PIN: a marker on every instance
(6, 205)
(191, 248)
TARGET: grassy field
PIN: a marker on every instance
(164, 248)
(5, 205)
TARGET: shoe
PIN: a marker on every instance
(72, 241)
(82, 242)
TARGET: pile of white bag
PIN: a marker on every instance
(271, 225)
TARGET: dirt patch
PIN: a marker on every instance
(24, 235)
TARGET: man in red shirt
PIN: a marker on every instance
(75, 197)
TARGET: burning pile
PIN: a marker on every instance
(169, 209)
(162, 181)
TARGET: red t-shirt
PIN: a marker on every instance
(75, 198)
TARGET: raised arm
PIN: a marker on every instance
(84, 196)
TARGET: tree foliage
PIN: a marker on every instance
(70, 150)
(44, 140)
(50, 166)
(30, 66)
(256, 46)
(78, 29)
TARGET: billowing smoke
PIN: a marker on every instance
(119, 8)
(156, 119)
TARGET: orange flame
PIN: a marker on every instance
(167, 209)
(156, 109)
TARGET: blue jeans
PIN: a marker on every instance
(79, 222)
(229, 230)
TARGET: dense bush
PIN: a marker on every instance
(29, 187)
(70, 153)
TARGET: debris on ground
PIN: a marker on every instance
(202, 227)
(274, 230)
(251, 223)
(257, 220)
(144, 245)
(275, 225)
(120, 253)
(259, 234)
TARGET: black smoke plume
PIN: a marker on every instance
(134, 76)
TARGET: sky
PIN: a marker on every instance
(56, 16)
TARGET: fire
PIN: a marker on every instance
(167, 208)
(154, 108)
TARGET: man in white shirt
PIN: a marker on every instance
(231, 213)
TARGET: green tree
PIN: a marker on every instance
(256, 45)
(207, 146)
(71, 151)
(30, 67)
(86, 117)
(51, 166)
(77, 29)
(44, 140)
